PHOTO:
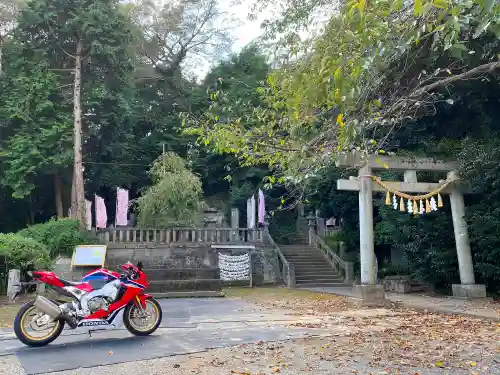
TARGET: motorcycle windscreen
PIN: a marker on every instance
(97, 280)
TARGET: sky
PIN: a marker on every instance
(248, 30)
(245, 31)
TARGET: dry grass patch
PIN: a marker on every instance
(8, 314)
(9, 309)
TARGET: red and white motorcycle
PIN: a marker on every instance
(41, 321)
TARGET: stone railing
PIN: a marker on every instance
(345, 268)
(179, 235)
(287, 269)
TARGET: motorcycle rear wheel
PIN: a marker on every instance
(130, 321)
(28, 339)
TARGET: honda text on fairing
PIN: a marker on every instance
(92, 305)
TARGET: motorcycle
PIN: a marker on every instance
(94, 302)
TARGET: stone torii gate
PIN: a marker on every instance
(364, 184)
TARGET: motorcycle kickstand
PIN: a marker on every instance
(92, 330)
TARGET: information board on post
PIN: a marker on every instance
(89, 255)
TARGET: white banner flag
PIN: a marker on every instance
(121, 207)
(101, 216)
(88, 214)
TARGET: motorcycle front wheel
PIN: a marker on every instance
(142, 322)
(34, 328)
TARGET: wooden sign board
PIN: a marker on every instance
(89, 255)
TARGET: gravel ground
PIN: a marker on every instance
(362, 341)
(325, 356)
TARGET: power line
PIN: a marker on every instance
(119, 164)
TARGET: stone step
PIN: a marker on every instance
(326, 271)
(307, 273)
(297, 249)
(301, 253)
(322, 285)
(165, 286)
(304, 256)
(310, 263)
(314, 268)
(307, 261)
(319, 279)
(164, 273)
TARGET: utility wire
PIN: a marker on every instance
(120, 164)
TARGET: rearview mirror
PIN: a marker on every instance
(140, 266)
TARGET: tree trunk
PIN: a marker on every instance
(72, 202)
(58, 195)
(1, 50)
(31, 216)
(79, 202)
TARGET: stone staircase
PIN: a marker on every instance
(311, 268)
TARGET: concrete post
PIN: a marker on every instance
(13, 283)
(461, 238)
(468, 287)
(311, 222)
(321, 227)
(235, 218)
(349, 272)
(342, 250)
(367, 255)
(368, 292)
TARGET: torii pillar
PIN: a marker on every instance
(369, 291)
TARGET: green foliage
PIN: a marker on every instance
(37, 129)
(283, 227)
(175, 197)
(323, 194)
(60, 237)
(23, 253)
(376, 65)
(332, 240)
(479, 167)
(427, 241)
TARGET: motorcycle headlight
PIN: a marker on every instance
(30, 273)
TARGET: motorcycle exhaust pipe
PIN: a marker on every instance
(47, 307)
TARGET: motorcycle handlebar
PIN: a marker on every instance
(129, 270)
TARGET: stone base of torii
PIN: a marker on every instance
(368, 291)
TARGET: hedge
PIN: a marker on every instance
(23, 253)
(59, 236)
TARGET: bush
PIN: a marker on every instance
(59, 236)
(175, 197)
(23, 253)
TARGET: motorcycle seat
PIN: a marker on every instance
(70, 283)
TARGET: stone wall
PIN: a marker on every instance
(176, 262)
(403, 284)
(172, 255)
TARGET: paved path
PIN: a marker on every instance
(189, 326)
(197, 325)
(483, 309)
